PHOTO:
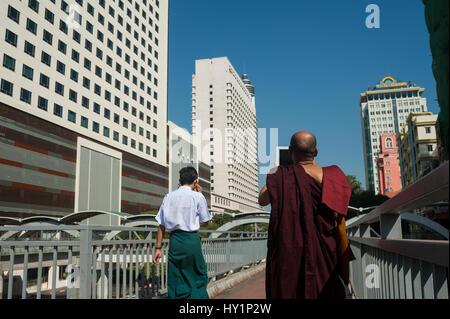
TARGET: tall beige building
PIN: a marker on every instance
(224, 127)
(419, 152)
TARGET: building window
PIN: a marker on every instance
(25, 96)
(29, 48)
(87, 64)
(9, 62)
(31, 26)
(99, 54)
(62, 47)
(105, 131)
(71, 116)
(428, 130)
(73, 96)
(85, 102)
(63, 26)
(430, 147)
(61, 67)
(27, 72)
(46, 58)
(49, 16)
(74, 75)
(59, 88)
(84, 122)
(88, 45)
(95, 127)
(75, 56)
(57, 110)
(107, 113)
(44, 81)
(389, 143)
(11, 37)
(47, 37)
(7, 87)
(76, 36)
(34, 4)
(42, 103)
(13, 14)
(86, 83)
(97, 108)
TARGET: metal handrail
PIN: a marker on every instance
(126, 262)
(392, 266)
(428, 190)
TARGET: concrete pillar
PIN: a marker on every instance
(391, 226)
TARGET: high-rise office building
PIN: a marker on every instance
(384, 110)
(224, 127)
(83, 91)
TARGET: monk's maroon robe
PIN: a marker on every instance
(302, 257)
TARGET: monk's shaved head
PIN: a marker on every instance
(303, 144)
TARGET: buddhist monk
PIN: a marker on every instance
(308, 252)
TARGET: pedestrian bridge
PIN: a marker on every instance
(77, 261)
(389, 264)
(41, 257)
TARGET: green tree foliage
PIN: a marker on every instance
(362, 198)
(355, 185)
(221, 219)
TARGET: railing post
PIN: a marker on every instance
(85, 263)
(1, 281)
(364, 231)
(391, 226)
(228, 252)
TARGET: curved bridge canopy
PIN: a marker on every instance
(243, 219)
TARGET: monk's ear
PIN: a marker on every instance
(316, 152)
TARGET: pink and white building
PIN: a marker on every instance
(388, 164)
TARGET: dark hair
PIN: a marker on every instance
(188, 175)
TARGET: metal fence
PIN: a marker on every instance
(89, 266)
(391, 267)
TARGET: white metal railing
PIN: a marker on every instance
(95, 267)
(390, 267)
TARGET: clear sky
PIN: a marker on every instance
(308, 60)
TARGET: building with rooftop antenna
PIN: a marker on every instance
(224, 127)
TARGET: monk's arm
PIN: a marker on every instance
(264, 198)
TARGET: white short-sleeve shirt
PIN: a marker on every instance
(183, 209)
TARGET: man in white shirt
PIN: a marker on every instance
(181, 213)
